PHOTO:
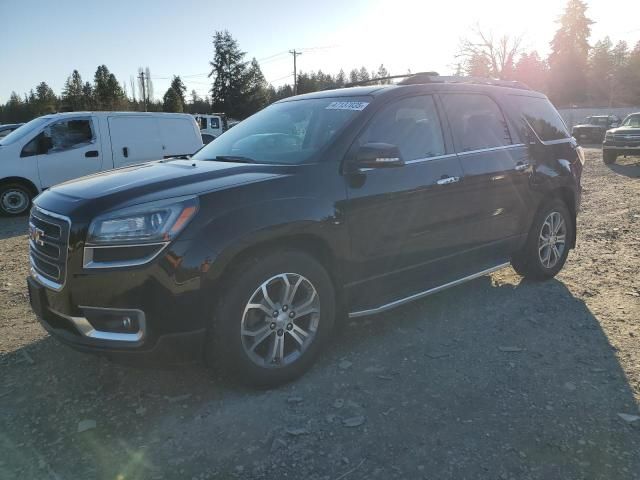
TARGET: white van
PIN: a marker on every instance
(54, 148)
(211, 125)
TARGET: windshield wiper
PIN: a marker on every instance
(234, 159)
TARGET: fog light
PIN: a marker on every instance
(112, 321)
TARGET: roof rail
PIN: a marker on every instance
(433, 77)
(379, 79)
(421, 78)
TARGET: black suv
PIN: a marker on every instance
(338, 203)
(624, 140)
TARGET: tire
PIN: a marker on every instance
(233, 345)
(532, 261)
(15, 199)
(609, 157)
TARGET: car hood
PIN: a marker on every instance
(151, 181)
(623, 130)
(587, 125)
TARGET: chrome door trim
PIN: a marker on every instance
(492, 149)
(417, 296)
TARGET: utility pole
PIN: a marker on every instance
(144, 94)
(295, 70)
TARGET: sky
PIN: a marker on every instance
(45, 40)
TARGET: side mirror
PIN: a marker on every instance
(44, 144)
(378, 155)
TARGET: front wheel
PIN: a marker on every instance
(609, 157)
(274, 316)
(15, 199)
(547, 246)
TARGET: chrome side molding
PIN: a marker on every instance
(418, 296)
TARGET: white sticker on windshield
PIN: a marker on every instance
(347, 106)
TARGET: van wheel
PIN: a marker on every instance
(15, 199)
(609, 157)
(276, 313)
(547, 246)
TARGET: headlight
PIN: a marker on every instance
(155, 222)
(136, 235)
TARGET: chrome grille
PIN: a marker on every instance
(48, 247)
(627, 137)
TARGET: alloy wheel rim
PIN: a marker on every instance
(14, 201)
(280, 321)
(552, 240)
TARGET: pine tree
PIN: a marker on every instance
(229, 73)
(341, 79)
(569, 52)
(255, 94)
(179, 87)
(108, 93)
(45, 99)
(532, 71)
(72, 92)
(381, 73)
(171, 101)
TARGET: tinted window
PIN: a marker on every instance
(290, 132)
(203, 122)
(476, 121)
(412, 124)
(215, 122)
(543, 117)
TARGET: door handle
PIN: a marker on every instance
(125, 152)
(91, 153)
(448, 180)
(521, 167)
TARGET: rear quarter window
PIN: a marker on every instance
(543, 118)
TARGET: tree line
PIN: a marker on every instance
(574, 73)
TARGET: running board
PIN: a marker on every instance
(418, 296)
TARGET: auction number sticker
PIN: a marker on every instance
(347, 106)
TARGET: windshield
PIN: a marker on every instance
(24, 130)
(632, 121)
(285, 133)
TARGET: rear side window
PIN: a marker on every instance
(543, 117)
(215, 123)
(476, 121)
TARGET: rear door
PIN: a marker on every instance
(402, 219)
(496, 172)
(179, 135)
(75, 151)
(134, 139)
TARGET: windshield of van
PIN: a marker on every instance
(24, 130)
(632, 121)
(285, 133)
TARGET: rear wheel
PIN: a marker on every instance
(275, 315)
(609, 157)
(15, 199)
(547, 246)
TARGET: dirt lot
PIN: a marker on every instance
(496, 379)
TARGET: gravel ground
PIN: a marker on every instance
(496, 379)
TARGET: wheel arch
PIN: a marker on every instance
(23, 181)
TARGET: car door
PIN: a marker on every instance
(496, 172)
(135, 139)
(74, 151)
(402, 219)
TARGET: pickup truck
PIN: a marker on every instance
(594, 128)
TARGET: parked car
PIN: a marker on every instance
(624, 140)
(56, 148)
(349, 201)
(7, 128)
(592, 130)
(214, 124)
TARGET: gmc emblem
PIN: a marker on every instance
(36, 235)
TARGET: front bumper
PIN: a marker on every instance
(155, 310)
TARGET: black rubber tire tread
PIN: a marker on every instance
(223, 350)
(14, 185)
(527, 262)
